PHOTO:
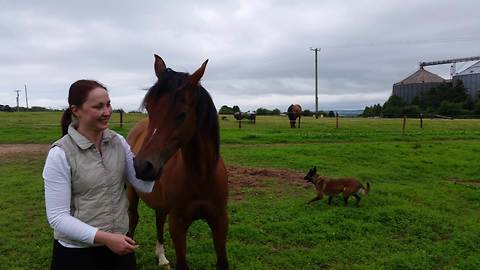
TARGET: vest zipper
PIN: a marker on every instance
(99, 155)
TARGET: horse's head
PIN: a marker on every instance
(238, 115)
(171, 107)
(311, 174)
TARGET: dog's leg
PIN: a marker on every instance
(314, 199)
(358, 199)
(345, 199)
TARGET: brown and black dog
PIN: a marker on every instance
(330, 186)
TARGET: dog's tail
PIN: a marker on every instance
(365, 191)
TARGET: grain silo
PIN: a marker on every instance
(471, 79)
(415, 84)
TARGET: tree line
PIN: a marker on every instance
(8, 108)
(447, 99)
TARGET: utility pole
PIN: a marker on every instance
(18, 95)
(316, 79)
(26, 96)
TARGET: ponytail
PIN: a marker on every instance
(66, 120)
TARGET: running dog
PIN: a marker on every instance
(330, 187)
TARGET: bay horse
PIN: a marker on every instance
(178, 146)
(294, 112)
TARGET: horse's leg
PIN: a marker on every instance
(132, 210)
(178, 232)
(219, 227)
(160, 217)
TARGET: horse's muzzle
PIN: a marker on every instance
(145, 170)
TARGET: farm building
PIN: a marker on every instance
(415, 84)
(471, 79)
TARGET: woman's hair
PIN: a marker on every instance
(77, 95)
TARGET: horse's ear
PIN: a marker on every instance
(159, 66)
(197, 75)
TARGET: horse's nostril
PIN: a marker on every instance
(148, 166)
(142, 166)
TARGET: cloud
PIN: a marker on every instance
(259, 51)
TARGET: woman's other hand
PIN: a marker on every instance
(118, 243)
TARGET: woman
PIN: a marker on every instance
(85, 174)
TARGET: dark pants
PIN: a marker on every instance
(93, 258)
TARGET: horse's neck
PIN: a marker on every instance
(200, 154)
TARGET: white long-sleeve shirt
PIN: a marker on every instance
(56, 174)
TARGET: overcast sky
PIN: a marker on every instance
(258, 51)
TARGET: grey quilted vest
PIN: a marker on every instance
(98, 194)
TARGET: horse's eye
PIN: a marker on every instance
(181, 117)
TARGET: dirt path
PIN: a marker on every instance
(242, 177)
(23, 149)
(239, 177)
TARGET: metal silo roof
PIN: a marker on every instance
(422, 76)
(473, 69)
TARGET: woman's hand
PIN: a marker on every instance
(118, 243)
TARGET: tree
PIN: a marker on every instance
(307, 112)
(225, 110)
(377, 110)
(393, 106)
(412, 110)
(476, 109)
(236, 109)
(263, 111)
(450, 108)
(451, 99)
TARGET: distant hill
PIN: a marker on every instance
(349, 113)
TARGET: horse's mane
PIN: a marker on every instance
(290, 108)
(207, 118)
(169, 81)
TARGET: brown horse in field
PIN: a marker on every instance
(178, 146)
(294, 112)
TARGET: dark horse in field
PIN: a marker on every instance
(251, 116)
(178, 146)
(294, 112)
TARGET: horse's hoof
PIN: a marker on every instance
(164, 266)
(164, 263)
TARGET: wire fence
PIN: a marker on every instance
(311, 128)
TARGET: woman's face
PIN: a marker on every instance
(95, 112)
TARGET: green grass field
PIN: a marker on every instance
(416, 217)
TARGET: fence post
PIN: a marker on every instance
(404, 122)
(421, 120)
(240, 123)
(121, 118)
(336, 119)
